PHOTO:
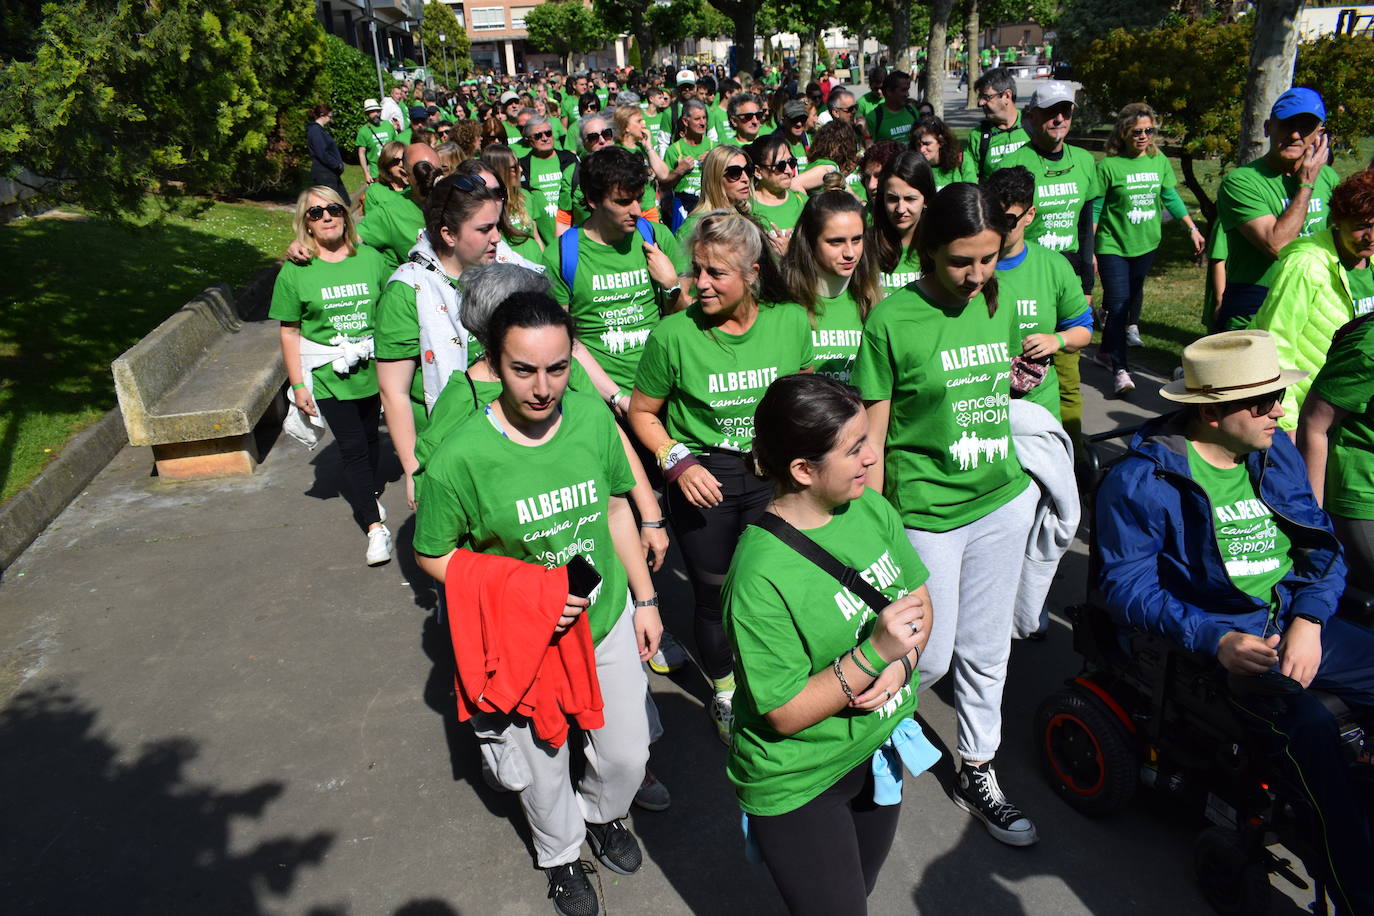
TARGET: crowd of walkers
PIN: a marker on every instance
(819, 343)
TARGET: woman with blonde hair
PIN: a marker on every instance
(627, 121)
(726, 173)
(326, 308)
(1137, 181)
(732, 335)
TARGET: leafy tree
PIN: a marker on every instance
(1083, 21)
(565, 28)
(806, 19)
(627, 17)
(113, 99)
(682, 19)
(450, 59)
(348, 79)
(1341, 67)
(744, 14)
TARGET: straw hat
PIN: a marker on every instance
(1230, 366)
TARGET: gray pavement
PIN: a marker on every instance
(210, 705)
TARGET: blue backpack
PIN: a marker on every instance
(567, 249)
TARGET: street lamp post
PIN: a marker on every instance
(443, 49)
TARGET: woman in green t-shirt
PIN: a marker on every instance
(934, 370)
(539, 475)
(326, 309)
(828, 274)
(726, 173)
(525, 222)
(933, 139)
(835, 151)
(904, 190)
(826, 693)
(631, 132)
(776, 205)
(391, 180)
(706, 367)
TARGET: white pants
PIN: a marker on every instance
(616, 754)
(975, 572)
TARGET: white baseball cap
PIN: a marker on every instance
(685, 76)
(1051, 93)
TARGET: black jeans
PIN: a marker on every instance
(354, 425)
(707, 538)
(825, 856)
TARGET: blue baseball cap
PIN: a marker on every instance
(1298, 101)
(418, 112)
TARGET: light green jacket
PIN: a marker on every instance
(1308, 302)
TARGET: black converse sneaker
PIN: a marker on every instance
(615, 846)
(979, 794)
(570, 891)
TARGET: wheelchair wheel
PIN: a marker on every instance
(1086, 753)
(1231, 879)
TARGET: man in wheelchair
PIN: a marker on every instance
(1208, 535)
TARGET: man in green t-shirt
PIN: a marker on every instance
(874, 96)
(1000, 133)
(745, 113)
(1268, 203)
(544, 168)
(796, 116)
(1209, 536)
(576, 86)
(621, 284)
(893, 119)
(372, 136)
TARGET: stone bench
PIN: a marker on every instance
(198, 384)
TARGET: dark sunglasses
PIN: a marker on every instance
(467, 184)
(799, 119)
(607, 134)
(393, 163)
(1143, 132)
(748, 115)
(1261, 405)
(315, 214)
(848, 110)
(541, 135)
(783, 165)
(1016, 217)
(736, 172)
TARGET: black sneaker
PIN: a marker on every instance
(615, 846)
(978, 793)
(572, 894)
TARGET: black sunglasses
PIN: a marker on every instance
(783, 165)
(607, 134)
(1143, 132)
(799, 119)
(748, 115)
(393, 163)
(735, 172)
(315, 214)
(541, 135)
(848, 110)
(467, 184)
(1260, 405)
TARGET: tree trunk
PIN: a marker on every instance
(1273, 54)
(806, 58)
(1204, 202)
(901, 38)
(935, 49)
(745, 15)
(971, 29)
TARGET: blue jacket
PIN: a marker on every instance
(1161, 568)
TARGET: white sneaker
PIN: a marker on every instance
(1123, 384)
(1133, 335)
(723, 714)
(378, 546)
(381, 511)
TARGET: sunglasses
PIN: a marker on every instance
(849, 110)
(783, 165)
(1260, 405)
(315, 214)
(467, 184)
(1143, 132)
(988, 96)
(393, 163)
(799, 119)
(1055, 173)
(607, 134)
(542, 135)
(1016, 217)
(736, 172)
(748, 116)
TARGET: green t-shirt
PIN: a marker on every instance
(964, 171)
(884, 124)
(718, 126)
(1131, 188)
(512, 131)
(1000, 144)
(784, 630)
(1361, 289)
(1256, 190)
(837, 335)
(613, 300)
(660, 130)
(541, 220)
(331, 299)
(869, 101)
(1253, 547)
(798, 150)
(1061, 189)
(949, 455)
(569, 107)
(547, 178)
(391, 224)
(853, 182)
(908, 271)
(1347, 381)
(548, 504)
(780, 217)
(678, 150)
(1046, 293)
(372, 137)
(711, 380)
(398, 337)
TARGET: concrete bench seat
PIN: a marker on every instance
(196, 387)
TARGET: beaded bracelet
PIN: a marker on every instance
(844, 685)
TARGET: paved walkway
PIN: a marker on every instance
(210, 705)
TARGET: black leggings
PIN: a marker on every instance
(1357, 537)
(825, 856)
(707, 538)
(354, 425)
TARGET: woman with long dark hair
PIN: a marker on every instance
(933, 370)
(933, 139)
(905, 189)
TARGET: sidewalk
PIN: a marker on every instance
(212, 706)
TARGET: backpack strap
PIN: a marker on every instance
(646, 230)
(847, 576)
(986, 131)
(567, 256)
(525, 172)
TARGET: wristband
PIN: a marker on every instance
(1306, 185)
(1062, 342)
(675, 455)
(663, 451)
(657, 524)
(870, 653)
(1308, 617)
(614, 397)
(859, 662)
(652, 602)
(298, 386)
(674, 471)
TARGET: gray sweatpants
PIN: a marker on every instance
(616, 753)
(974, 574)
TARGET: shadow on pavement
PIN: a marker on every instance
(91, 827)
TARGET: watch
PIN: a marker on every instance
(652, 602)
(1308, 617)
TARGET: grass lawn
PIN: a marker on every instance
(79, 291)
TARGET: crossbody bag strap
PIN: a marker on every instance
(847, 576)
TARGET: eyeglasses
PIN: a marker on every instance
(542, 135)
(989, 96)
(467, 184)
(783, 165)
(1016, 217)
(736, 172)
(1143, 132)
(748, 115)
(315, 214)
(607, 134)
(799, 119)
(392, 163)
(848, 110)
(1261, 405)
